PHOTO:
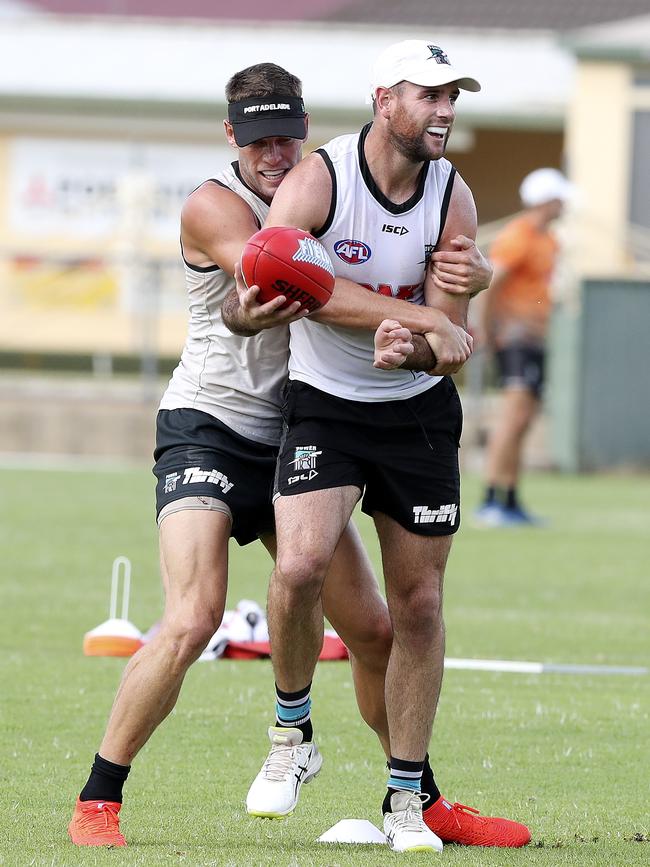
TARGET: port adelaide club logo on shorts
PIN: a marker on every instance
(304, 464)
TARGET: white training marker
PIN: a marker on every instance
(125, 563)
(116, 636)
(353, 831)
(514, 666)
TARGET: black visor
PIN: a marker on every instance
(263, 117)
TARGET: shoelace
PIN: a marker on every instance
(90, 818)
(109, 814)
(461, 808)
(412, 819)
(279, 763)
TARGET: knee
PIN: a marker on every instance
(377, 636)
(186, 638)
(371, 642)
(380, 635)
(418, 611)
(300, 575)
(520, 425)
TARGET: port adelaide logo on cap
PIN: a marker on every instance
(438, 55)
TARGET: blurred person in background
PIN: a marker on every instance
(513, 323)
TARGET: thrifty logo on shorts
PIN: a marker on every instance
(425, 515)
(195, 475)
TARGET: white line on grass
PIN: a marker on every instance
(67, 463)
(519, 667)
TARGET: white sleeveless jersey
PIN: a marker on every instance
(383, 246)
(235, 379)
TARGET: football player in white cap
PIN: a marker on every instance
(382, 201)
(217, 436)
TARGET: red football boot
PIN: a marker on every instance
(455, 823)
(96, 823)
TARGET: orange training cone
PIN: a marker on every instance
(116, 636)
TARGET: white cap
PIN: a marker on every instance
(544, 185)
(419, 62)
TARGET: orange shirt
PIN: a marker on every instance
(521, 304)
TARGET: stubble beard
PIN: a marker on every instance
(413, 147)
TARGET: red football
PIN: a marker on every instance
(282, 260)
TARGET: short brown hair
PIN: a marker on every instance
(262, 79)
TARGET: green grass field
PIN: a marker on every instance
(566, 754)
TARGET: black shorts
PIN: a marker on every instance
(521, 366)
(401, 454)
(198, 456)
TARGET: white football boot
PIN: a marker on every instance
(404, 826)
(289, 764)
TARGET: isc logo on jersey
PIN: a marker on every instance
(352, 252)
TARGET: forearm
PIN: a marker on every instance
(354, 306)
(232, 316)
(422, 357)
(455, 307)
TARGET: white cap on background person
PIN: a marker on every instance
(544, 185)
(419, 62)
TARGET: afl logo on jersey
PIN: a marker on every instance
(352, 252)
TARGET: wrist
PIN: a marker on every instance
(434, 321)
(422, 358)
(429, 336)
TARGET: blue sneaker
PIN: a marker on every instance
(491, 515)
(515, 516)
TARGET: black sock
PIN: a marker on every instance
(385, 807)
(404, 775)
(293, 710)
(511, 500)
(105, 781)
(306, 728)
(429, 786)
(490, 495)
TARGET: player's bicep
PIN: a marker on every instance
(215, 225)
(303, 198)
(461, 220)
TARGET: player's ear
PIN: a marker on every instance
(230, 135)
(382, 100)
(306, 126)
